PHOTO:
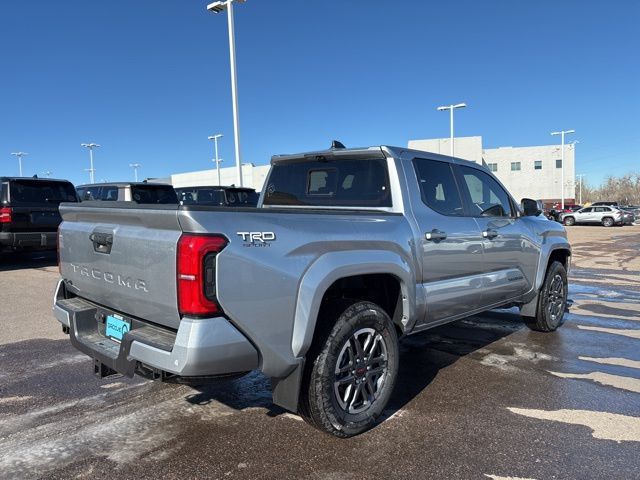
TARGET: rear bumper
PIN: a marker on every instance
(28, 240)
(200, 348)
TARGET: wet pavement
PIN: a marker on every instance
(481, 398)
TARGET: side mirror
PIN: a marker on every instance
(530, 207)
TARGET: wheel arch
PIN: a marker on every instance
(561, 252)
(385, 276)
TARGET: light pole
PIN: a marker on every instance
(218, 7)
(562, 133)
(580, 177)
(91, 170)
(216, 160)
(451, 108)
(135, 167)
(20, 155)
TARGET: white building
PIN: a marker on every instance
(531, 172)
(252, 177)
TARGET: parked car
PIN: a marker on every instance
(628, 217)
(606, 216)
(218, 196)
(605, 204)
(349, 249)
(557, 210)
(29, 215)
(137, 192)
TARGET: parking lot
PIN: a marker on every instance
(484, 397)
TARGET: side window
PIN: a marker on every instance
(109, 194)
(438, 187)
(91, 193)
(586, 210)
(487, 197)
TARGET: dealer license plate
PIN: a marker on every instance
(116, 327)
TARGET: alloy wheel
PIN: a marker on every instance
(361, 371)
(557, 298)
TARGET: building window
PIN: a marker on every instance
(558, 163)
(515, 166)
(493, 167)
(537, 165)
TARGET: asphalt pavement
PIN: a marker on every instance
(481, 398)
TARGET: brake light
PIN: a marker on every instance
(196, 271)
(5, 215)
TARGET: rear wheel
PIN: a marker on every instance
(607, 222)
(351, 371)
(568, 221)
(552, 300)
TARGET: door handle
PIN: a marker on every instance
(435, 235)
(490, 234)
(102, 242)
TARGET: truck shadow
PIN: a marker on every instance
(422, 356)
(10, 261)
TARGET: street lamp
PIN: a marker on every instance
(135, 167)
(218, 7)
(20, 155)
(217, 160)
(581, 176)
(562, 133)
(91, 170)
(451, 108)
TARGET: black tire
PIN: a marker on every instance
(569, 221)
(552, 305)
(608, 222)
(320, 404)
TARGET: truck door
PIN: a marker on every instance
(510, 251)
(449, 242)
(584, 215)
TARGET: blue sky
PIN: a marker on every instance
(149, 80)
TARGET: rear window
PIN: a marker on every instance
(343, 183)
(242, 198)
(39, 191)
(200, 196)
(154, 194)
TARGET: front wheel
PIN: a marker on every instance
(569, 221)
(607, 222)
(351, 371)
(552, 300)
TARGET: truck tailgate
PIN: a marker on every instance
(123, 258)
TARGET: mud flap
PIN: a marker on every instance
(286, 391)
(530, 308)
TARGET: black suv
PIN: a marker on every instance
(29, 216)
(138, 192)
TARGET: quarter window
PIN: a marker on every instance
(438, 187)
(487, 197)
(537, 165)
(515, 166)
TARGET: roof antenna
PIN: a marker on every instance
(336, 144)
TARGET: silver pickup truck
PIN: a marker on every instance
(348, 250)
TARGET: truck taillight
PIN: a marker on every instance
(197, 274)
(5, 215)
